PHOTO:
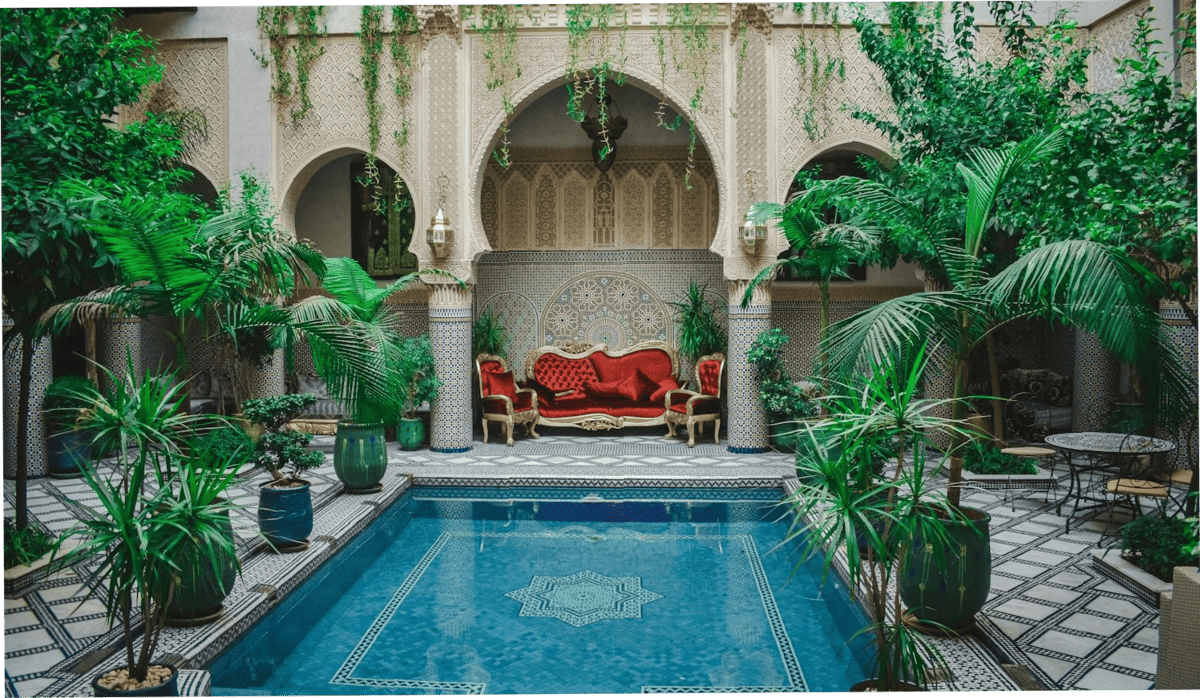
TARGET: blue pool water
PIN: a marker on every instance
(558, 591)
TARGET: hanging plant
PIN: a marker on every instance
(273, 25)
(581, 20)
(371, 36)
(691, 45)
(818, 64)
(498, 28)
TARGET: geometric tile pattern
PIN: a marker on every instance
(612, 308)
(40, 375)
(747, 420)
(584, 597)
(451, 413)
(1095, 382)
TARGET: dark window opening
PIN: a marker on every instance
(382, 222)
(834, 164)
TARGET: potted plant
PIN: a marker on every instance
(285, 514)
(419, 385)
(700, 332)
(1159, 544)
(161, 519)
(785, 401)
(489, 335)
(841, 504)
(63, 404)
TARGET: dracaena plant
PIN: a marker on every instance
(155, 516)
(842, 503)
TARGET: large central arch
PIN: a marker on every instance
(554, 78)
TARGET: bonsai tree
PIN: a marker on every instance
(281, 452)
(700, 333)
(841, 503)
(160, 515)
(489, 335)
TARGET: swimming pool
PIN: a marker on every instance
(557, 591)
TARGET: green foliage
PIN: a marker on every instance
(488, 334)
(1127, 177)
(279, 449)
(700, 332)
(985, 459)
(416, 374)
(229, 444)
(23, 546)
(1158, 544)
(146, 534)
(692, 46)
(497, 26)
(371, 39)
(840, 504)
(821, 65)
(782, 398)
(593, 81)
(273, 25)
(64, 400)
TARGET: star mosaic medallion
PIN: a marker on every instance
(583, 598)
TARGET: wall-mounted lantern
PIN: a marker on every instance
(439, 234)
(753, 236)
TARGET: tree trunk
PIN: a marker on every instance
(997, 404)
(22, 483)
(962, 372)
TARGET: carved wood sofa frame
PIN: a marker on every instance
(599, 421)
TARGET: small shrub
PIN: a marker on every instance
(488, 334)
(278, 450)
(65, 398)
(982, 458)
(1159, 544)
(22, 547)
(229, 445)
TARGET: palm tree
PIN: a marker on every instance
(176, 271)
(821, 250)
(1081, 283)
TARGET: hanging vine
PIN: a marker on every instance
(371, 37)
(581, 20)
(818, 65)
(497, 27)
(691, 45)
(290, 90)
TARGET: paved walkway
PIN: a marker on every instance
(1049, 609)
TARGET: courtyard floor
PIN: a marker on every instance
(1052, 617)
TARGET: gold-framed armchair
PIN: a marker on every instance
(502, 400)
(694, 409)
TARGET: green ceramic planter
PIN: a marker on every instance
(360, 455)
(202, 587)
(285, 515)
(410, 433)
(951, 587)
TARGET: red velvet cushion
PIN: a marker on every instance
(639, 387)
(710, 377)
(603, 390)
(617, 407)
(654, 363)
(664, 385)
(502, 384)
(558, 373)
(699, 407)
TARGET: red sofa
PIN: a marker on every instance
(593, 388)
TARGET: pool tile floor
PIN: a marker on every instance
(1049, 608)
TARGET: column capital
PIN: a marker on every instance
(450, 300)
(760, 300)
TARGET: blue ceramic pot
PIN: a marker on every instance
(285, 515)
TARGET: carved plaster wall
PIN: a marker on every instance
(1111, 40)
(337, 124)
(196, 76)
(556, 199)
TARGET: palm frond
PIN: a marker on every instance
(889, 328)
(1100, 289)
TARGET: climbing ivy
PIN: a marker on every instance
(273, 25)
(609, 65)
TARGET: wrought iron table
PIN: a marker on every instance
(1105, 454)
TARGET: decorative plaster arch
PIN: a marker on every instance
(320, 157)
(553, 77)
(204, 170)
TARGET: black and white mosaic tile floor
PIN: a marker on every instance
(1049, 609)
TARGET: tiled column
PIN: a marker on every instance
(1095, 383)
(1184, 337)
(450, 336)
(145, 343)
(39, 378)
(747, 419)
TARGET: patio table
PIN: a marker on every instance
(1109, 455)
